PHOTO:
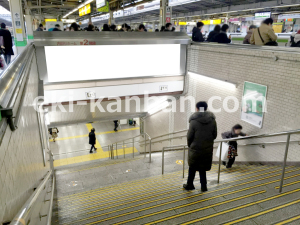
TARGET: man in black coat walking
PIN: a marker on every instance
(92, 140)
(7, 43)
(201, 135)
(197, 36)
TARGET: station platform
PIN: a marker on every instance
(72, 145)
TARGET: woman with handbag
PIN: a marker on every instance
(264, 35)
(232, 150)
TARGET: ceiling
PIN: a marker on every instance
(5, 4)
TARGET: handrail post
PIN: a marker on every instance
(219, 169)
(124, 149)
(284, 161)
(51, 160)
(150, 150)
(133, 147)
(145, 144)
(163, 160)
(183, 162)
(117, 150)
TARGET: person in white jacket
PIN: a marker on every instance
(296, 41)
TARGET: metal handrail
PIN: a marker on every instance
(288, 133)
(25, 212)
(111, 148)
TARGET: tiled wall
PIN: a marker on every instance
(238, 65)
(21, 160)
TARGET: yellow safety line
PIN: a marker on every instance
(100, 154)
(289, 220)
(266, 211)
(286, 185)
(99, 133)
(94, 198)
(156, 179)
(158, 205)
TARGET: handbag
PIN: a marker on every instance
(224, 153)
(270, 43)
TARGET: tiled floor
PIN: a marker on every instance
(72, 145)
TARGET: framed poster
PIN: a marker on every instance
(253, 103)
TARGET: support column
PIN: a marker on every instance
(153, 25)
(111, 18)
(29, 23)
(18, 25)
(162, 12)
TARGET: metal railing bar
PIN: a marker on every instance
(49, 218)
(24, 212)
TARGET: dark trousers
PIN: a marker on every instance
(191, 177)
(7, 59)
(116, 126)
(230, 162)
(93, 146)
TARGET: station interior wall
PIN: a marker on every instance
(238, 65)
(21, 159)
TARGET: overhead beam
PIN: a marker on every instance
(51, 6)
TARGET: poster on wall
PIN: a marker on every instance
(18, 27)
(253, 103)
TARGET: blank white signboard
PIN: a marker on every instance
(74, 63)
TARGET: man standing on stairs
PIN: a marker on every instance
(200, 138)
(92, 139)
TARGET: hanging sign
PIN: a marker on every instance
(253, 103)
(85, 10)
(104, 8)
(18, 27)
(168, 14)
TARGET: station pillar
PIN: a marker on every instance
(29, 23)
(111, 18)
(162, 12)
(20, 38)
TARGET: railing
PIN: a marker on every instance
(13, 82)
(288, 133)
(132, 141)
(24, 214)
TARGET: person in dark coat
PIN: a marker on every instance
(201, 135)
(57, 28)
(222, 36)
(235, 132)
(7, 43)
(116, 125)
(92, 139)
(213, 33)
(197, 36)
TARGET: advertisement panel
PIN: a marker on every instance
(100, 3)
(262, 15)
(104, 8)
(253, 103)
(85, 10)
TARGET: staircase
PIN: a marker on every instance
(131, 191)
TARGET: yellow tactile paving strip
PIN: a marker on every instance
(100, 154)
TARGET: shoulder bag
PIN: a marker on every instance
(270, 43)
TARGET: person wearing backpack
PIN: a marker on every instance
(264, 35)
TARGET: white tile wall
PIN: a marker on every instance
(238, 65)
(21, 161)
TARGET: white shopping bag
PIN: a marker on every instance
(224, 153)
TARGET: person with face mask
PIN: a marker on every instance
(235, 132)
(168, 27)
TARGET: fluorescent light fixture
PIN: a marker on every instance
(159, 107)
(218, 82)
(77, 8)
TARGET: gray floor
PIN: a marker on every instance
(133, 191)
(79, 145)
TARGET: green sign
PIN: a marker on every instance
(104, 8)
(254, 103)
(0, 116)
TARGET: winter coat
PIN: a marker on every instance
(39, 29)
(197, 35)
(232, 134)
(7, 41)
(211, 36)
(267, 33)
(201, 135)
(92, 138)
(296, 37)
(222, 38)
(247, 37)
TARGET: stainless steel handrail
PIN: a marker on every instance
(49, 218)
(24, 213)
(288, 133)
(12, 83)
(111, 148)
